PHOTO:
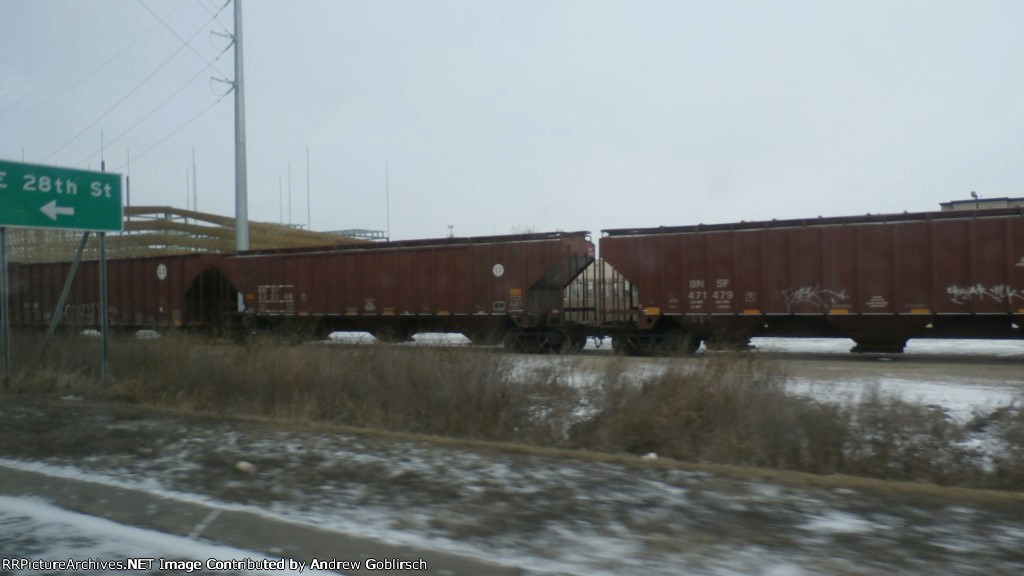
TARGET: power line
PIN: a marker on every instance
(210, 12)
(126, 96)
(153, 111)
(90, 74)
(182, 40)
(176, 130)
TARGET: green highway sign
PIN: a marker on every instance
(37, 196)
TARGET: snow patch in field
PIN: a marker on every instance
(419, 339)
(439, 339)
(351, 338)
(915, 346)
(835, 522)
(959, 399)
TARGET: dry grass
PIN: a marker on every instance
(734, 412)
(727, 411)
(428, 391)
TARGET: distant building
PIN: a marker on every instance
(362, 234)
(164, 230)
(982, 204)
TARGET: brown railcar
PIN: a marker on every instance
(877, 279)
(157, 292)
(492, 289)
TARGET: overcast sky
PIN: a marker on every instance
(493, 116)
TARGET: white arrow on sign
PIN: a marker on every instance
(52, 210)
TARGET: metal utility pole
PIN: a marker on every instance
(128, 181)
(241, 189)
(387, 198)
(195, 185)
(309, 217)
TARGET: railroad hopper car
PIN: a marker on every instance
(498, 289)
(153, 292)
(495, 289)
(877, 279)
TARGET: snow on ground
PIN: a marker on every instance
(959, 399)
(421, 339)
(542, 514)
(34, 529)
(958, 395)
(916, 346)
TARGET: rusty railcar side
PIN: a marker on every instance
(156, 292)
(492, 289)
(877, 279)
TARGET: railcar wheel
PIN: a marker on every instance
(536, 343)
(570, 343)
(692, 344)
(623, 345)
(513, 340)
(676, 344)
(484, 339)
(579, 344)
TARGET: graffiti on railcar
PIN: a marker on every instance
(88, 313)
(815, 295)
(995, 293)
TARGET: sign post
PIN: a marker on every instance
(5, 308)
(38, 196)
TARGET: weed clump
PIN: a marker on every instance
(726, 411)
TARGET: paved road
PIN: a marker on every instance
(246, 530)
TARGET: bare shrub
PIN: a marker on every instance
(908, 441)
(729, 411)
(737, 411)
(1004, 424)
